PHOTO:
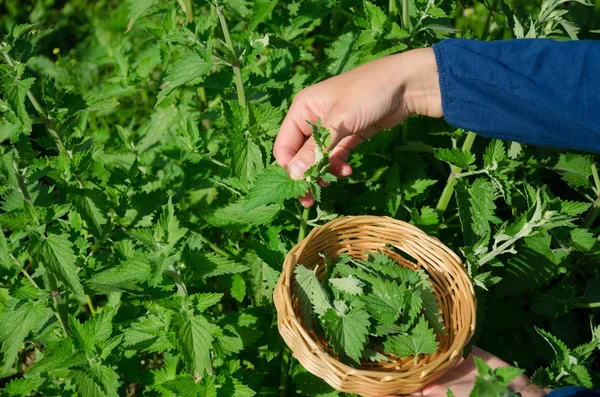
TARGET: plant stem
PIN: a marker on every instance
(393, 9)
(43, 115)
(586, 305)
(451, 182)
(594, 212)
(405, 15)
(90, 305)
(59, 305)
(181, 289)
(596, 178)
(215, 247)
(285, 369)
(303, 224)
(285, 356)
(488, 21)
(189, 16)
(344, 12)
(235, 62)
(28, 277)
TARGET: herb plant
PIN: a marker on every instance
(144, 223)
(373, 306)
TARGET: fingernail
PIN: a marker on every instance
(297, 169)
(346, 171)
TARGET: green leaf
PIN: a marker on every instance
(311, 294)
(17, 322)
(261, 12)
(349, 285)
(476, 209)
(195, 339)
(212, 265)
(15, 91)
(56, 253)
(563, 356)
(236, 216)
(126, 276)
(246, 157)
(149, 333)
(137, 8)
(155, 130)
(273, 185)
(494, 154)
(456, 157)
(97, 381)
(575, 169)
(421, 341)
(22, 387)
(168, 231)
(386, 301)
(347, 332)
(190, 68)
(91, 205)
(206, 300)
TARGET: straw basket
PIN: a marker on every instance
(354, 235)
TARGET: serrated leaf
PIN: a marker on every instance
(456, 157)
(17, 322)
(311, 294)
(15, 91)
(273, 185)
(22, 387)
(386, 301)
(126, 276)
(246, 158)
(149, 334)
(192, 66)
(422, 340)
(349, 285)
(347, 332)
(137, 8)
(91, 206)
(236, 216)
(56, 253)
(195, 340)
(212, 265)
(206, 300)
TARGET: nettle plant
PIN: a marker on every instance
(144, 222)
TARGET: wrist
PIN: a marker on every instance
(419, 82)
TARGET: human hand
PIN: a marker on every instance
(461, 378)
(356, 105)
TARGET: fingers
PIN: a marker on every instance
(304, 158)
(293, 133)
(307, 201)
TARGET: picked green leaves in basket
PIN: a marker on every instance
(370, 309)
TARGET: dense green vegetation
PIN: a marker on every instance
(145, 225)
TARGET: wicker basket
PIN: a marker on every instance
(354, 235)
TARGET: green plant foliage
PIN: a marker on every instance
(373, 305)
(144, 221)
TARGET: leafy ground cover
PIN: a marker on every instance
(144, 223)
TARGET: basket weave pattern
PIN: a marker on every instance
(354, 235)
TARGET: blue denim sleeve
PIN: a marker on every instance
(536, 91)
(574, 392)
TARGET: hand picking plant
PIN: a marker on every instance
(143, 222)
(370, 306)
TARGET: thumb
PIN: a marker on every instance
(302, 160)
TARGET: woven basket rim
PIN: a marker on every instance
(371, 231)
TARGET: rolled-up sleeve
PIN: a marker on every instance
(535, 91)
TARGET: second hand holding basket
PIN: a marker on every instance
(354, 235)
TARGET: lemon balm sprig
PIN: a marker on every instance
(319, 171)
